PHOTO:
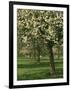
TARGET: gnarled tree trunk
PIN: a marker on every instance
(51, 57)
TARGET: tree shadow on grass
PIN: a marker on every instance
(34, 65)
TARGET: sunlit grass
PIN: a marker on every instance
(30, 70)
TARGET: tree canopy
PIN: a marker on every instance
(39, 26)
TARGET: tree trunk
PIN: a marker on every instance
(38, 51)
(58, 52)
(38, 54)
(52, 65)
(34, 50)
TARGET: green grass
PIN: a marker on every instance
(30, 70)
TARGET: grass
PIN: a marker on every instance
(27, 70)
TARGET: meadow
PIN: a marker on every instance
(28, 69)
